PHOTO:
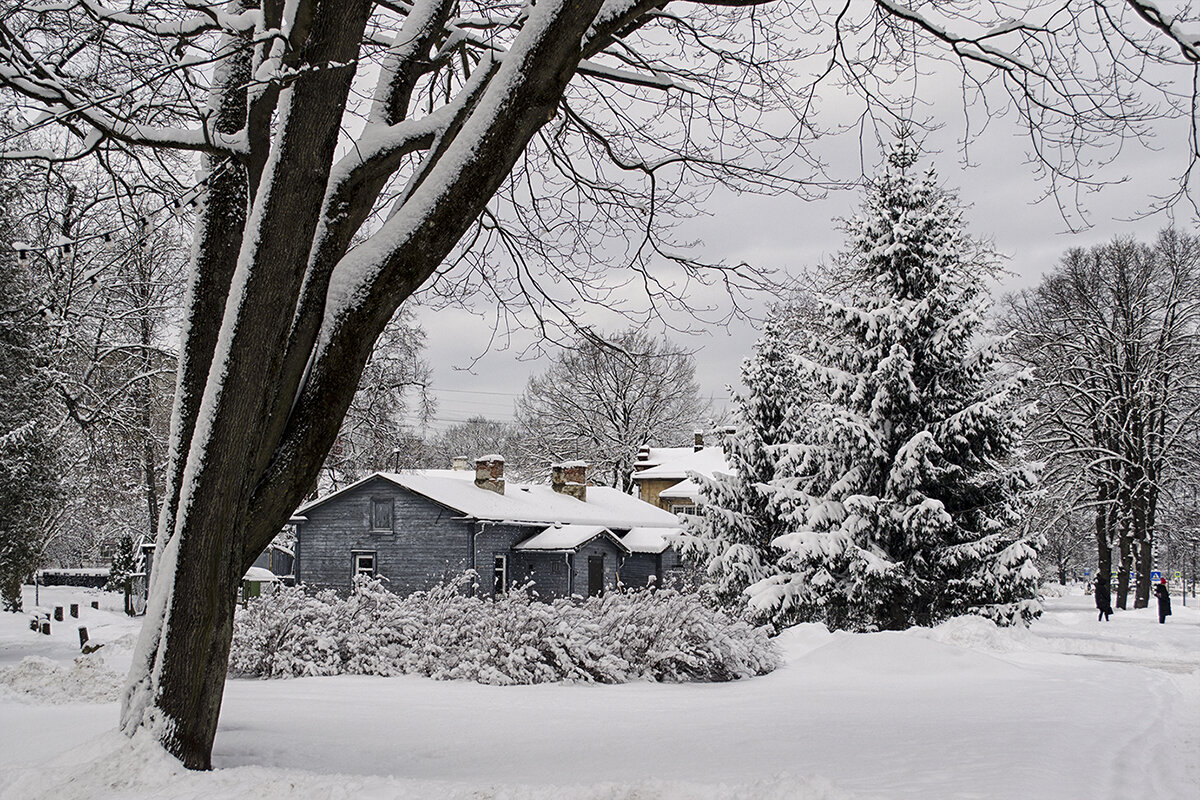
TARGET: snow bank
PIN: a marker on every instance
(39, 680)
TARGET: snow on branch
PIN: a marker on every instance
(1187, 37)
(22, 71)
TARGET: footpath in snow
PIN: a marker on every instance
(1070, 708)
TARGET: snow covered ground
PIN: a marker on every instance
(1072, 708)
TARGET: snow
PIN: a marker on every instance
(684, 490)
(565, 537)
(260, 574)
(649, 540)
(677, 462)
(524, 503)
(1069, 708)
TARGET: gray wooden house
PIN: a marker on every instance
(417, 528)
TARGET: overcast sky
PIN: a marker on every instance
(787, 234)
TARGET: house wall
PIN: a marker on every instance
(612, 560)
(549, 571)
(494, 540)
(667, 567)
(648, 491)
(425, 543)
(638, 568)
(674, 573)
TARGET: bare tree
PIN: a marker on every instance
(1065, 529)
(511, 139)
(1112, 336)
(110, 295)
(479, 436)
(603, 399)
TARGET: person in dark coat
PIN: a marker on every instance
(1164, 601)
(1103, 603)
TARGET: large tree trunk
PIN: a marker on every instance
(1124, 524)
(1144, 517)
(1103, 548)
(262, 387)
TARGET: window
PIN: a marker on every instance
(684, 508)
(381, 514)
(499, 575)
(364, 564)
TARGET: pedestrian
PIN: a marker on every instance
(1164, 600)
(1103, 603)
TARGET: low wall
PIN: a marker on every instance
(94, 578)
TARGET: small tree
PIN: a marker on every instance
(905, 485)
(731, 538)
(124, 564)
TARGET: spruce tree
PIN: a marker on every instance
(124, 564)
(905, 489)
(730, 539)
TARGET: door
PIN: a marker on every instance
(595, 575)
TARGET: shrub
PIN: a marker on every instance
(442, 633)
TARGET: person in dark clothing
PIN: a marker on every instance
(1104, 604)
(1164, 601)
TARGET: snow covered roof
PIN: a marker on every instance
(684, 490)
(260, 574)
(648, 540)
(677, 462)
(567, 537)
(522, 503)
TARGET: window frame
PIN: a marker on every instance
(379, 502)
(500, 561)
(355, 555)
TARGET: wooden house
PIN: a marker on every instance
(416, 528)
(662, 474)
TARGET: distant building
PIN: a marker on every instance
(414, 529)
(661, 474)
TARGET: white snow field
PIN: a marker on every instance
(1071, 708)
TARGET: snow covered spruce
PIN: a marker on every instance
(443, 633)
(879, 481)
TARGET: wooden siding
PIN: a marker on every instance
(429, 543)
(549, 572)
(638, 568)
(612, 560)
(425, 545)
(497, 540)
(649, 489)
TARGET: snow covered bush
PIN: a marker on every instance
(443, 633)
(286, 636)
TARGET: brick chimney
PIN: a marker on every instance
(699, 441)
(643, 458)
(570, 478)
(460, 463)
(489, 473)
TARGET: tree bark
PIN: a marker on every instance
(243, 457)
(1103, 548)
